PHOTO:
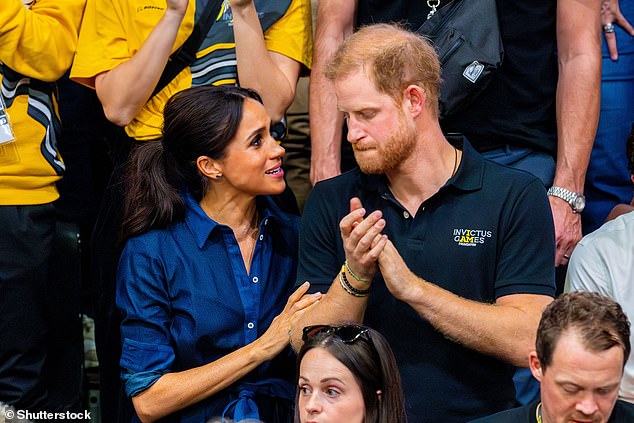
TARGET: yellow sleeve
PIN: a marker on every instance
(292, 35)
(103, 42)
(114, 30)
(40, 42)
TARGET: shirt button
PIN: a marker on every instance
(266, 221)
(250, 325)
(255, 279)
(406, 214)
(261, 237)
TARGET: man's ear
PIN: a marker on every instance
(209, 167)
(414, 98)
(535, 366)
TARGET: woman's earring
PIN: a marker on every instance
(218, 176)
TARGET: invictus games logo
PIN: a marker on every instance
(470, 237)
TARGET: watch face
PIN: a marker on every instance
(580, 204)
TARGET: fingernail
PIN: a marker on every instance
(305, 283)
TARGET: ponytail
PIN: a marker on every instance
(151, 200)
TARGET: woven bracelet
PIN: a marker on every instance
(343, 280)
(365, 281)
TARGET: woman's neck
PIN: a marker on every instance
(239, 213)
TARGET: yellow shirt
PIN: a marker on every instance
(37, 45)
(112, 33)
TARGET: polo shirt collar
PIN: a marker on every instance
(468, 177)
(470, 173)
(201, 226)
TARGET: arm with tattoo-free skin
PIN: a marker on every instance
(578, 100)
(124, 90)
(363, 243)
(178, 390)
(335, 19)
(273, 75)
(505, 329)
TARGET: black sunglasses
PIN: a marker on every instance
(346, 333)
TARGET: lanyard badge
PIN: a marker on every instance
(6, 134)
(8, 149)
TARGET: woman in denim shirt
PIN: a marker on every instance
(208, 266)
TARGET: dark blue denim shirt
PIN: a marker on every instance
(187, 300)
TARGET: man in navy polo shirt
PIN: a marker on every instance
(450, 256)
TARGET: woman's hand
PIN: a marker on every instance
(278, 335)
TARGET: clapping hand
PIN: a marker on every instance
(362, 239)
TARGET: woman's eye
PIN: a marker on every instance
(257, 141)
(332, 392)
(304, 390)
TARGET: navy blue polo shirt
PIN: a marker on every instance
(487, 233)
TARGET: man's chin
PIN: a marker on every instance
(371, 168)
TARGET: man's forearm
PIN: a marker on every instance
(505, 330)
(578, 89)
(337, 306)
(578, 102)
(335, 21)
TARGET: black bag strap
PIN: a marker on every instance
(186, 54)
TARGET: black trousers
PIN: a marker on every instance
(26, 245)
(105, 252)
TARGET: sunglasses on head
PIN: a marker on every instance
(346, 333)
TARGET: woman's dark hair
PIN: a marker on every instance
(371, 361)
(199, 121)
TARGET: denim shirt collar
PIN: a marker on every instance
(201, 226)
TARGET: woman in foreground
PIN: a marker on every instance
(348, 373)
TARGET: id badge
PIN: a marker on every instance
(6, 133)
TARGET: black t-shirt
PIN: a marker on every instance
(623, 412)
(518, 107)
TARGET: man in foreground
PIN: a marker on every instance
(583, 342)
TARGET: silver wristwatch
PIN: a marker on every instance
(576, 201)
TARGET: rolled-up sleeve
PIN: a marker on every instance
(142, 298)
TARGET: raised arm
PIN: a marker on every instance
(363, 243)
(124, 90)
(39, 42)
(273, 75)
(335, 21)
(578, 96)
